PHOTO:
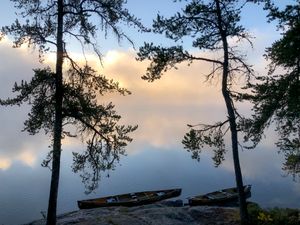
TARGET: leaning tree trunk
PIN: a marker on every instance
(232, 121)
(235, 151)
(52, 206)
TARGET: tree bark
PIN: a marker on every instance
(232, 121)
(52, 206)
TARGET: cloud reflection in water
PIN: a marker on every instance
(156, 159)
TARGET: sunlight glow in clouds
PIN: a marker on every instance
(112, 57)
(162, 109)
(5, 163)
(27, 157)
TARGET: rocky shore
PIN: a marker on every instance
(162, 213)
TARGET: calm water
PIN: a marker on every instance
(156, 159)
(24, 189)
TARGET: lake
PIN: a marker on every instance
(25, 189)
(156, 158)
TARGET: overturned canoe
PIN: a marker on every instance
(222, 197)
(130, 199)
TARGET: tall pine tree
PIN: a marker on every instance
(276, 97)
(211, 25)
(68, 95)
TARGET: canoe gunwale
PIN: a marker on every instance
(140, 198)
(229, 197)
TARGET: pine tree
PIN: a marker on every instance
(68, 95)
(276, 97)
(210, 24)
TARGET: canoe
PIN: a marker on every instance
(130, 199)
(222, 197)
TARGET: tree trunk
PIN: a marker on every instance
(235, 151)
(232, 121)
(52, 206)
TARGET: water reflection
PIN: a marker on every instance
(156, 159)
(24, 189)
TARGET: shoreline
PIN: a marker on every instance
(157, 213)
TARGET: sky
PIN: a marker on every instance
(161, 109)
(169, 104)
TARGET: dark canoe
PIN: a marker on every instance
(222, 197)
(130, 199)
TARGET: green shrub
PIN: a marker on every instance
(273, 216)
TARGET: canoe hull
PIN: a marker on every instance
(223, 197)
(129, 200)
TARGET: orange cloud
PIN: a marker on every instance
(27, 157)
(5, 163)
(161, 109)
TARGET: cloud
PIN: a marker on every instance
(16, 64)
(162, 109)
(5, 163)
(27, 157)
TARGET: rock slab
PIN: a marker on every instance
(154, 214)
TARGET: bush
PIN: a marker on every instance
(273, 216)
